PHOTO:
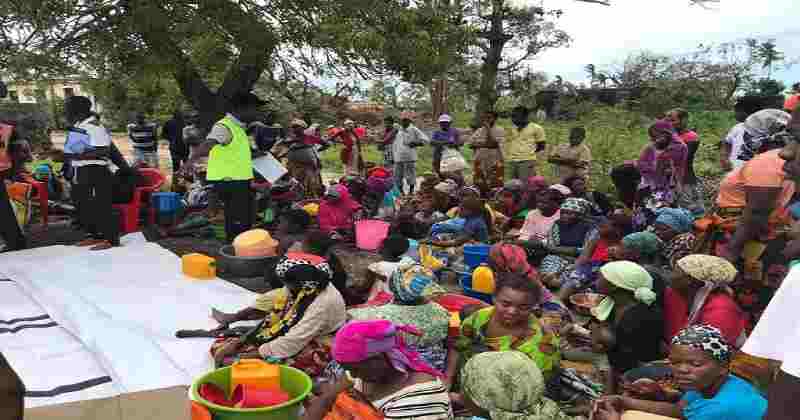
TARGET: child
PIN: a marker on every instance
(476, 225)
(427, 215)
(379, 273)
(338, 213)
(292, 229)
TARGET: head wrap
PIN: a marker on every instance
(714, 272)
(664, 126)
(628, 276)
(358, 341)
(448, 187)
(535, 183)
(445, 118)
(510, 258)
(562, 189)
(412, 283)
(705, 338)
(578, 205)
(680, 220)
(289, 308)
(764, 130)
(339, 214)
(298, 123)
(647, 243)
(311, 130)
(509, 386)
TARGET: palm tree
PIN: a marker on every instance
(769, 55)
(602, 78)
(592, 70)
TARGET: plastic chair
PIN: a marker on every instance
(141, 197)
(42, 195)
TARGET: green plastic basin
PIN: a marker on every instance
(295, 382)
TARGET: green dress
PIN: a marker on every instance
(540, 346)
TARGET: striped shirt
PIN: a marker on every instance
(144, 136)
(425, 401)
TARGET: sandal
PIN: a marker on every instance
(102, 246)
(89, 242)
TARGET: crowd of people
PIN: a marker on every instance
(636, 305)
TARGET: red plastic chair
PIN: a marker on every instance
(41, 194)
(141, 197)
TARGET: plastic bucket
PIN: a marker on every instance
(293, 381)
(251, 396)
(166, 202)
(370, 234)
(475, 255)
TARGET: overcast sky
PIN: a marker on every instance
(605, 35)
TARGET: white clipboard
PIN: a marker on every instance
(269, 168)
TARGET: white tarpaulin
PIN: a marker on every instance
(79, 325)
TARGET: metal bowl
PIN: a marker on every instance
(584, 302)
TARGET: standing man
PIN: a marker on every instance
(230, 162)
(88, 149)
(10, 230)
(446, 136)
(527, 140)
(144, 141)
(390, 129)
(409, 137)
(574, 158)
(488, 158)
(173, 133)
(731, 146)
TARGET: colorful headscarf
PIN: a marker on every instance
(509, 386)
(562, 189)
(358, 341)
(629, 276)
(412, 283)
(714, 272)
(647, 243)
(578, 205)
(289, 308)
(536, 183)
(706, 338)
(510, 258)
(680, 220)
(764, 130)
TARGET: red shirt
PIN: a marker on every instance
(719, 310)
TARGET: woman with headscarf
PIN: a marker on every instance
(691, 191)
(386, 375)
(471, 191)
(507, 386)
(509, 258)
(699, 358)
(636, 322)
(302, 161)
(643, 248)
(662, 164)
(351, 153)
(700, 294)
(445, 196)
(412, 286)
(510, 204)
(338, 212)
(304, 315)
(566, 240)
(674, 228)
(533, 186)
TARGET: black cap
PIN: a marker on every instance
(246, 99)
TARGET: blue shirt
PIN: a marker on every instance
(476, 229)
(736, 400)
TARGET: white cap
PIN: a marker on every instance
(445, 118)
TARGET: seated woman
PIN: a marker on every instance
(507, 385)
(386, 375)
(636, 322)
(445, 196)
(601, 206)
(303, 318)
(700, 359)
(476, 225)
(567, 238)
(674, 228)
(511, 325)
(700, 295)
(512, 259)
(644, 248)
(511, 205)
(533, 186)
(412, 286)
(540, 220)
(338, 213)
(497, 218)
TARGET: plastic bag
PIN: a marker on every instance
(452, 161)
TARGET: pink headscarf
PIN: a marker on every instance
(357, 341)
(339, 214)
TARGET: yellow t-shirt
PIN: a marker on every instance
(520, 146)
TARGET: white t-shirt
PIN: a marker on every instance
(777, 334)
(98, 137)
(735, 139)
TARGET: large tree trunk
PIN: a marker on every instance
(439, 97)
(487, 94)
